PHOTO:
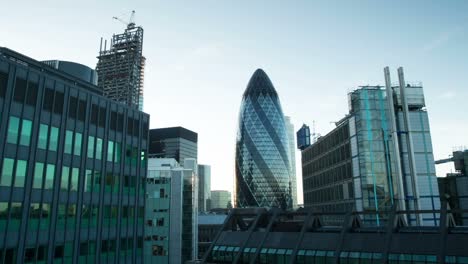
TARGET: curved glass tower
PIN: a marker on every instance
(262, 150)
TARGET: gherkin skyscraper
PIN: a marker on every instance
(262, 151)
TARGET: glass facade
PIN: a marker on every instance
(262, 160)
(54, 201)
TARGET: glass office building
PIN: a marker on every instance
(71, 170)
(262, 161)
(173, 142)
(204, 188)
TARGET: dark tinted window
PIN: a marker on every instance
(72, 107)
(81, 110)
(94, 114)
(31, 98)
(48, 99)
(120, 122)
(3, 83)
(130, 126)
(136, 126)
(113, 122)
(20, 90)
(58, 103)
(102, 117)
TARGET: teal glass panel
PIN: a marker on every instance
(45, 216)
(3, 215)
(53, 140)
(38, 175)
(16, 212)
(78, 140)
(26, 129)
(71, 216)
(117, 152)
(68, 142)
(13, 130)
(7, 172)
(42, 137)
(110, 151)
(34, 216)
(91, 147)
(65, 178)
(98, 148)
(20, 175)
(88, 181)
(50, 175)
(61, 214)
(74, 179)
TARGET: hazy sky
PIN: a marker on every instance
(201, 54)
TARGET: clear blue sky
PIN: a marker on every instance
(201, 54)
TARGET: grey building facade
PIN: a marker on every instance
(173, 142)
(204, 188)
(378, 157)
(220, 199)
(171, 222)
(72, 168)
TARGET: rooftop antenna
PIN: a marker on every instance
(130, 23)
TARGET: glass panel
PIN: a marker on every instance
(26, 128)
(45, 217)
(61, 214)
(53, 140)
(21, 166)
(7, 172)
(3, 214)
(90, 147)
(42, 138)
(65, 178)
(68, 142)
(88, 181)
(77, 149)
(98, 148)
(74, 179)
(38, 175)
(34, 215)
(110, 151)
(15, 216)
(13, 130)
(117, 152)
(50, 174)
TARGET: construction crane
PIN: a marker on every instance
(131, 23)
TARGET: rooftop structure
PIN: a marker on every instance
(173, 142)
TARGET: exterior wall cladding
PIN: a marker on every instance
(262, 160)
(72, 169)
(359, 166)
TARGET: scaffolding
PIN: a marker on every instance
(121, 67)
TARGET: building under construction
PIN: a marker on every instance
(121, 67)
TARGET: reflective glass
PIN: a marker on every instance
(53, 140)
(26, 128)
(3, 214)
(77, 149)
(68, 142)
(45, 216)
(38, 175)
(20, 176)
(16, 211)
(90, 147)
(88, 181)
(117, 152)
(98, 148)
(42, 138)
(34, 216)
(74, 179)
(7, 172)
(110, 150)
(13, 130)
(65, 178)
(50, 175)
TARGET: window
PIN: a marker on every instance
(74, 179)
(78, 138)
(65, 178)
(3, 83)
(42, 138)
(26, 128)
(117, 152)
(32, 93)
(53, 140)
(38, 175)
(98, 148)
(88, 181)
(90, 147)
(13, 130)
(68, 142)
(50, 174)
(3, 215)
(110, 150)
(7, 172)
(15, 215)
(48, 99)
(58, 103)
(20, 90)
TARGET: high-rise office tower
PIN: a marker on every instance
(72, 168)
(204, 187)
(220, 199)
(292, 155)
(262, 161)
(121, 67)
(378, 157)
(173, 142)
(171, 215)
